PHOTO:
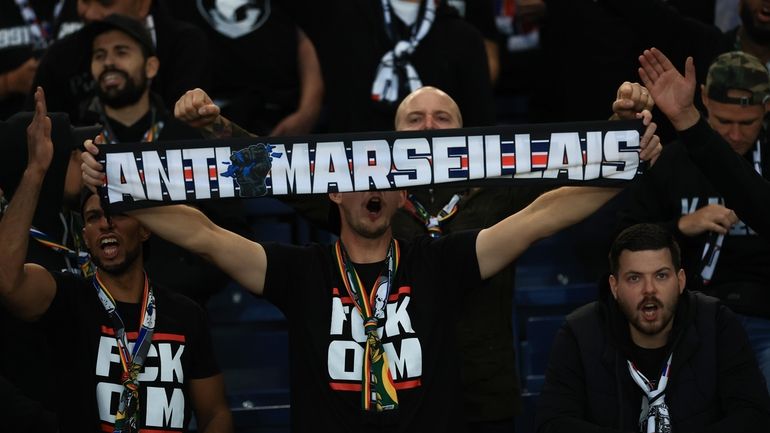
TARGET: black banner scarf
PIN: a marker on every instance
(138, 175)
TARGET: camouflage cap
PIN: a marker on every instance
(737, 70)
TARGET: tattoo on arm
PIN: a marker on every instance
(224, 128)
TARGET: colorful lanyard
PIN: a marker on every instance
(377, 388)
(82, 258)
(432, 223)
(41, 30)
(654, 410)
(713, 245)
(150, 135)
(131, 361)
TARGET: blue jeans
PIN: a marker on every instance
(759, 338)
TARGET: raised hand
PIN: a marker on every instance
(649, 143)
(632, 98)
(196, 109)
(672, 92)
(91, 170)
(39, 144)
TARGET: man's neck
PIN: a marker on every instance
(748, 45)
(125, 287)
(647, 341)
(129, 115)
(366, 250)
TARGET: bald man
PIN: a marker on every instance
(484, 331)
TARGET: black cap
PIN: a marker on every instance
(125, 24)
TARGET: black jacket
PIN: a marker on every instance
(744, 190)
(714, 384)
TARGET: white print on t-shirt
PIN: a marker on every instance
(348, 342)
(690, 205)
(162, 398)
(15, 37)
(235, 18)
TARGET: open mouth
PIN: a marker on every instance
(112, 78)
(374, 205)
(650, 310)
(109, 246)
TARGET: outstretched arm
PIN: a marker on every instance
(504, 242)
(243, 260)
(501, 244)
(27, 289)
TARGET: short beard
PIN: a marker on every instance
(758, 34)
(632, 312)
(118, 268)
(364, 231)
(127, 96)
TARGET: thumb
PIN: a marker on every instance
(689, 71)
(625, 90)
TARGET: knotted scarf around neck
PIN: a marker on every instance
(396, 77)
(654, 416)
(378, 393)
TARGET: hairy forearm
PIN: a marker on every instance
(499, 245)
(14, 229)
(563, 207)
(182, 225)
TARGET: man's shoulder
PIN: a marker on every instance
(586, 319)
(68, 280)
(708, 309)
(170, 29)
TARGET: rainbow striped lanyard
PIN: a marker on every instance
(152, 134)
(131, 361)
(82, 258)
(432, 223)
(378, 391)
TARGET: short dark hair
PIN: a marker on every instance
(644, 237)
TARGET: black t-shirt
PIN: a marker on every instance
(649, 361)
(256, 79)
(350, 38)
(327, 341)
(89, 373)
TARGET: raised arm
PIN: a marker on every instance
(743, 189)
(27, 289)
(243, 260)
(196, 109)
(501, 244)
